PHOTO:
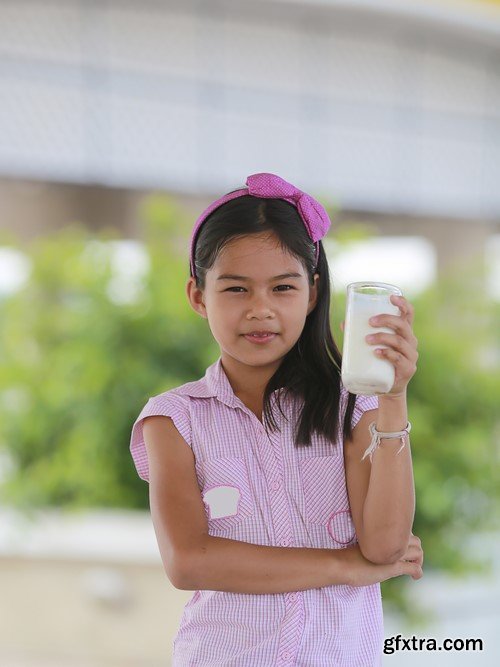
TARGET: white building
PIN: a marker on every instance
(387, 110)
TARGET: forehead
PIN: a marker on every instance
(258, 254)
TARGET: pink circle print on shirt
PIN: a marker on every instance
(341, 527)
(325, 496)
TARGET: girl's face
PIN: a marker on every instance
(256, 301)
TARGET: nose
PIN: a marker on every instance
(259, 307)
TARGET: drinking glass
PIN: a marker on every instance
(362, 371)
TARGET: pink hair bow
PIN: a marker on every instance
(313, 214)
(264, 184)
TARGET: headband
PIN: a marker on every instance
(312, 213)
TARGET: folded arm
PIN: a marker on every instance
(381, 493)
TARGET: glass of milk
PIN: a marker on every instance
(362, 371)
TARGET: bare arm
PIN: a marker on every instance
(193, 559)
(381, 493)
(240, 567)
(221, 564)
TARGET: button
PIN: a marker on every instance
(276, 485)
(286, 655)
(292, 597)
(285, 542)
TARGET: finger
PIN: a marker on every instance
(414, 542)
(398, 324)
(405, 365)
(407, 310)
(398, 343)
(412, 553)
(412, 569)
(415, 555)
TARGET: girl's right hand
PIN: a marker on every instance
(363, 572)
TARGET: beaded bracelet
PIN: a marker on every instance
(378, 435)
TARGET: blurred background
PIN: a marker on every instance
(120, 122)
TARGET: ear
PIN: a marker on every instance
(313, 294)
(195, 297)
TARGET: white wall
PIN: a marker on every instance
(381, 112)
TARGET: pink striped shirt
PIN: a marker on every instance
(263, 490)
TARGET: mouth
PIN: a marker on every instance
(261, 337)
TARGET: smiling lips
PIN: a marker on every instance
(261, 337)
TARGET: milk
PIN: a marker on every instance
(362, 371)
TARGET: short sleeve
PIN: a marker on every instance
(169, 405)
(362, 404)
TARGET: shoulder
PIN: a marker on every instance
(178, 398)
(171, 403)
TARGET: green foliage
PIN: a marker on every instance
(455, 440)
(453, 401)
(78, 366)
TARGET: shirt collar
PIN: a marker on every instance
(219, 384)
(214, 384)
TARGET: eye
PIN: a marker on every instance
(229, 289)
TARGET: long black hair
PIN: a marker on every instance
(311, 369)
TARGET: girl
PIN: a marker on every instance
(261, 499)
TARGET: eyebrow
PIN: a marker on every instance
(282, 276)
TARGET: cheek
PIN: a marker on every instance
(298, 312)
(221, 306)
(225, 316)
